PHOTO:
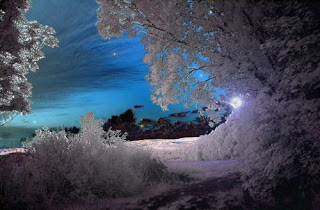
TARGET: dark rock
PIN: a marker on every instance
(151, 129)
(145, 122)
(137, 106)
(24, 139)
(73, 130)
(163, 128)
(163, 121)
(178, 114)
(128, 116)
(126, 122)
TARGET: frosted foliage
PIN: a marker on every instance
(171, 30)
(1, 14)
(232, 139)
(278, 144)
(20, 52)
(92, 131)
(114, 137)
(265, 51)
(62, 169)
(242, 57)
(45, 134)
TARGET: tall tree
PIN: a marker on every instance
(236, 42)
(20, 50)
(193, 47)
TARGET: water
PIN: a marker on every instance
(10, 136)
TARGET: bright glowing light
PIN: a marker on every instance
(114, 54)
(236, 102)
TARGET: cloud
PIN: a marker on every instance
(84, 74)
(84, 61)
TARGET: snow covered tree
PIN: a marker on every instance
(238, 43)
(92, 131)
(265, 52)
(21, 42)
(184, 39)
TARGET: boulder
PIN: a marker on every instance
(163, 121)
(178, 114)
(126, 122)
(137, 106)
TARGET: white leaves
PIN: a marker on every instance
(114, 138)
(2, 13)
(174, 61)
(166, 40)
(92, 131)
(21, 45)
(6, 58)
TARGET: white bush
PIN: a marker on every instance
(233, 139)
(86, 166)
(279, 143)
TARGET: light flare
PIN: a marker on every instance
(236, 102)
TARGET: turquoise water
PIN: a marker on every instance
(10, 136)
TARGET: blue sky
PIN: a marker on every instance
(86, 73)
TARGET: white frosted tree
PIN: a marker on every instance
(92, 131)
(193, 47)
(21, 42)
(265, 52)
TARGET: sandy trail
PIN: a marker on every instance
(8, 151)
(165, 149)
(171, 152)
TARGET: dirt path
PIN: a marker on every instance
(8, 151)
(215, 183)
(209, 185)
(165, 149)
(214, 193)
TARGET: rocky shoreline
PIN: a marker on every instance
(163, 128)
(170, 127)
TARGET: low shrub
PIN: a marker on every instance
(90, 165)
